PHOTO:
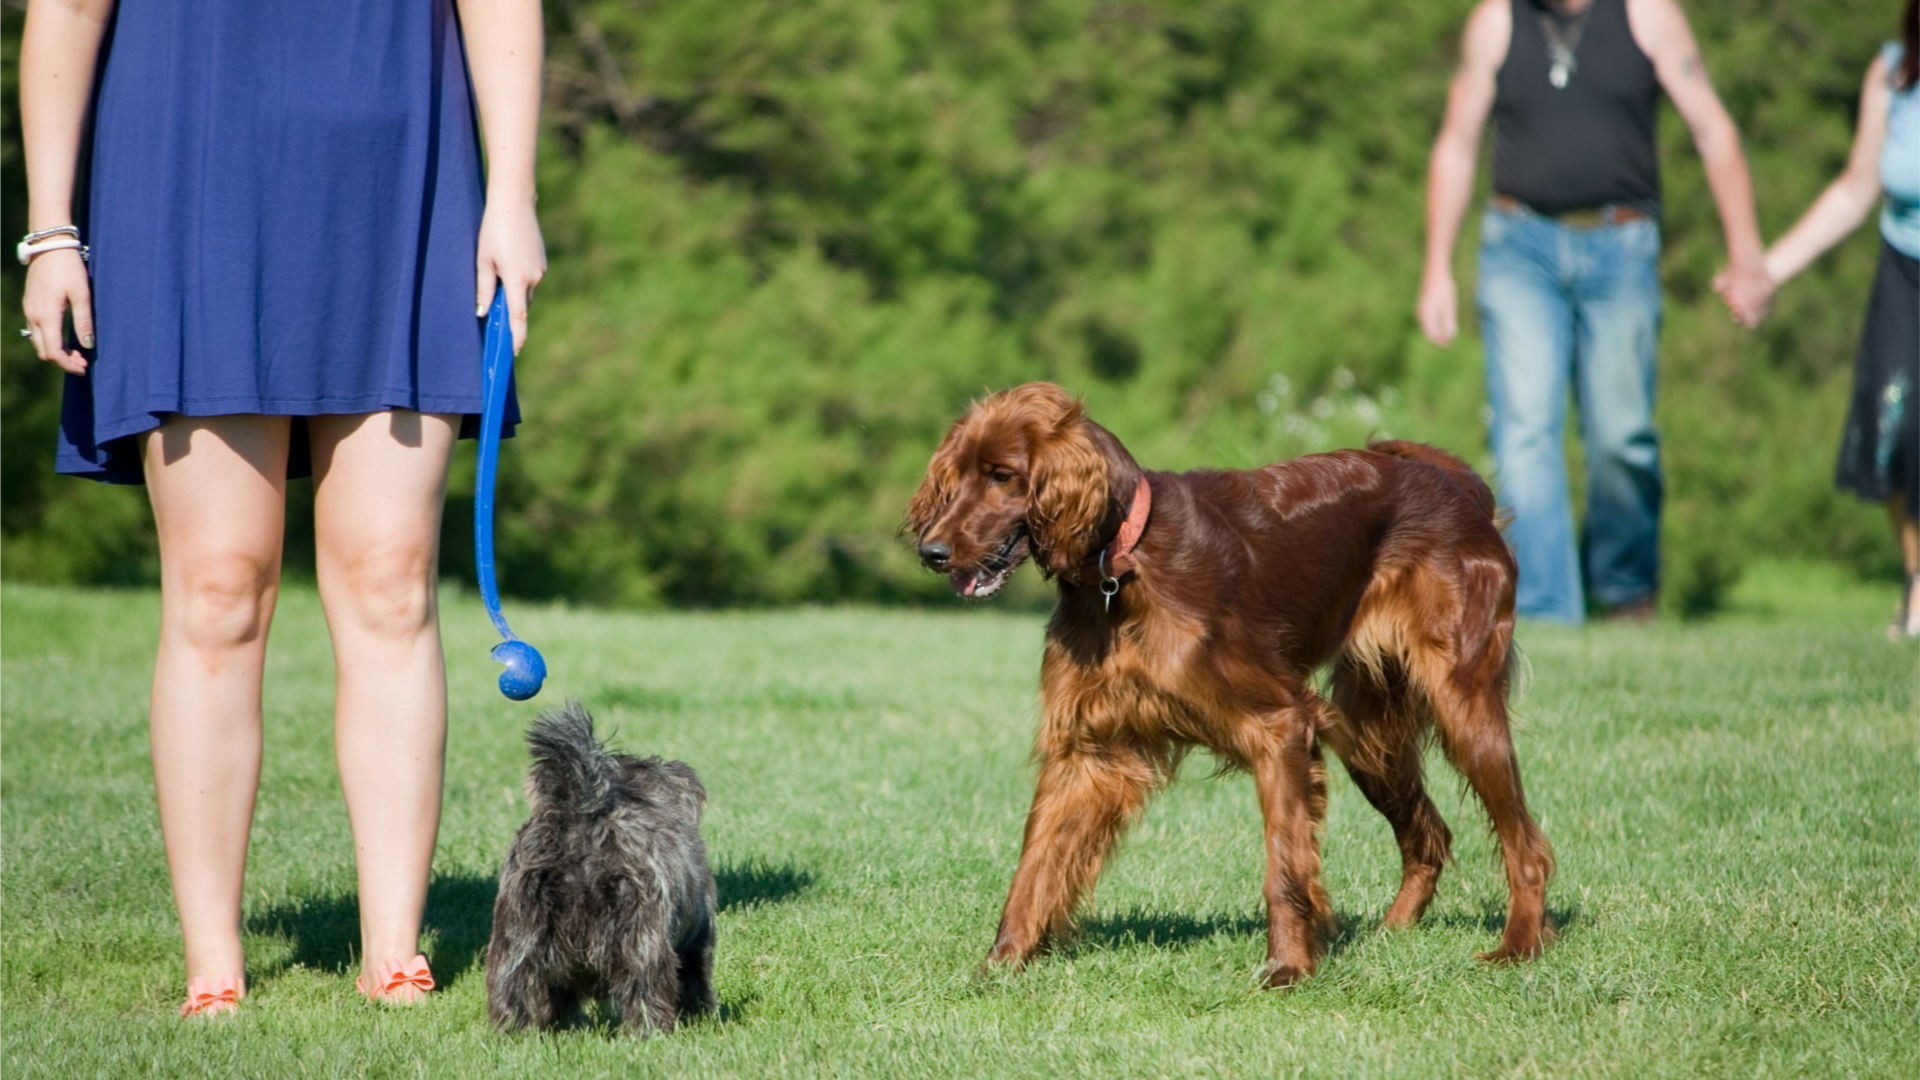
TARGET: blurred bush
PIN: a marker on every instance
(791, 241)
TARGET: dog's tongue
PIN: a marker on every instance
(965, 581)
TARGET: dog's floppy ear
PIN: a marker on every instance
(1067, 478)
(936, 490)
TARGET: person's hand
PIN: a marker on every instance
(512, 254)
(1439, 307)
(56, 284)
(1747, 292)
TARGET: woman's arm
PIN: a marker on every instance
(59, 47)
(504, 50)
(1846, 202)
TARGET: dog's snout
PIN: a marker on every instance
(935, 555)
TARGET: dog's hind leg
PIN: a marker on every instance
(1379, 743)
(519, 994)
(696, 973)
(1082, 804)
(646, 987)
(518, 954)
(1466, 682)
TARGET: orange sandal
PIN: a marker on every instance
(212, 997)
(404, 983)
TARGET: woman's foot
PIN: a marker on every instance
(217, 996)
(1906, 617)
(401, 982)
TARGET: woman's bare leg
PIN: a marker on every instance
(1907, 531)
(218, 487)
(379, 482)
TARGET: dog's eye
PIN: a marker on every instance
(1000, 476)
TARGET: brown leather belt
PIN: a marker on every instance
(1590, 218)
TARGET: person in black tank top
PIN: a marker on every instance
(1586, 140)
(1568, 291)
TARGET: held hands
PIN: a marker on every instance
(512, 253)
(1747, 292)
(1439, 307)
(56, 284)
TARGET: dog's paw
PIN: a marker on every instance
(1008, 955)
(1514, 951)
(1001, 961)
(1278, 976)
(1520, 944)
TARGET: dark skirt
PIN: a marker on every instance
(1880, 447)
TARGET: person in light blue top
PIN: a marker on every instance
(1880, 447)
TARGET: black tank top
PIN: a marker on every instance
(1590, 142)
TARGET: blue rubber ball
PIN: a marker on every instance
(526, 669)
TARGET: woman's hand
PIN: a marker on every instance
(512, 254)
(504, 42)
(57, 284)
(59, 48)
(1747, 291)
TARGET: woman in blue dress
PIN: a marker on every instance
(1880, 445)
(289, 232)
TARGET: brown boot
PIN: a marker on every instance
(1643, 610)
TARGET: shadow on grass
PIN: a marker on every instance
(1160, 929)
(324, 932)
(1493, 919)
(1163, 930)
(755, 882)
(597, 1018)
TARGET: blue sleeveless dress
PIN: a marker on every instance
(283, 200)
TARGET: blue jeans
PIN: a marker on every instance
(1574, 310)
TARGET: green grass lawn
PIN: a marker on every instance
(1733, 804)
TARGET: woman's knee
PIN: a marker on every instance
(387, 591)
(223, 601)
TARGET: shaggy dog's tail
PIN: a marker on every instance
(571, 769)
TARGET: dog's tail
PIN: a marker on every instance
(571, 768)
(1457, 470)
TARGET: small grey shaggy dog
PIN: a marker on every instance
(606, 891)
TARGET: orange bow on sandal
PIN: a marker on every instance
(212, 997)
(404, 983)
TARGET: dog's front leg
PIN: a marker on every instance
(1284, 774)
(1082, 804)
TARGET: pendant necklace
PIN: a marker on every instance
(1561, 46)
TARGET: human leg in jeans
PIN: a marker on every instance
(1617, 327)
(1527, 324)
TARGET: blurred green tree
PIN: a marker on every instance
(791, 241)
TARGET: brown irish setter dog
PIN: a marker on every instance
(1194, 609)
